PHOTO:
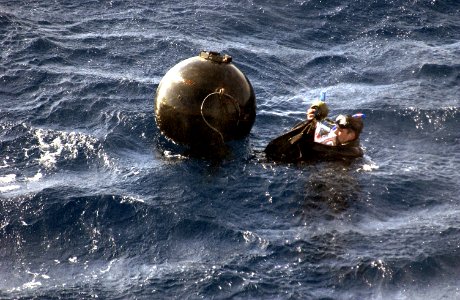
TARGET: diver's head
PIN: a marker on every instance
(348, 128)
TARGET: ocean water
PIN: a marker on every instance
(96, 203)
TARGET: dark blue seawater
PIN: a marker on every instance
(95, 203)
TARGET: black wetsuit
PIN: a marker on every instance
(298, 145)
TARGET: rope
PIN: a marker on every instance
(220, 93)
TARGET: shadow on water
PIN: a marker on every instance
(330, 187)
(216, 152)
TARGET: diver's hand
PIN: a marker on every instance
(311, 113)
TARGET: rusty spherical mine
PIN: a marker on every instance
(203, 100)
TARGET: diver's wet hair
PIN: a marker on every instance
(354, 123)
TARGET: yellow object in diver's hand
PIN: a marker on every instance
(322, 110)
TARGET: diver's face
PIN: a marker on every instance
(345, 135)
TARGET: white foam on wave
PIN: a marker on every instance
(9, 188)
(47, 149)
(35, 178)
(8, 178)
(8, 183)
(62, 145)
(11, 182)
(368, 167)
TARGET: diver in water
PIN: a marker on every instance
(346, 130)
(313, 139)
